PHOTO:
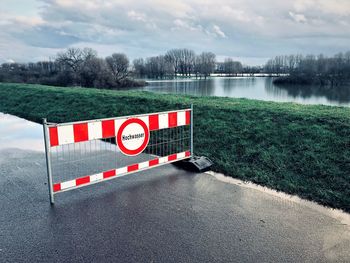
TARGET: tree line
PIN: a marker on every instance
(186, 63)
(311, 69)
(83, 67)
(73, 67)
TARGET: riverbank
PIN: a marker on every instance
(320, 81)
(298, 149)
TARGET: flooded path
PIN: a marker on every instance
(160, 215)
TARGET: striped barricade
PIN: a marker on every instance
(88, 152)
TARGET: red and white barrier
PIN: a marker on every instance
(132, 136)
(106, 128)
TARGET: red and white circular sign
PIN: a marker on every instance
(133, 137)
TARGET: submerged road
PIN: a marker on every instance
(160, 215)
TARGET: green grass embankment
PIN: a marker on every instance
(298, 149)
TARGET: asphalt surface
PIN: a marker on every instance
(160, 215)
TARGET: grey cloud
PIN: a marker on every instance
(236, 28)
(46, 37)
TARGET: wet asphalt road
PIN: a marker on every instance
(161, 215)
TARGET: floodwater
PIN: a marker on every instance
(260, 88)
(19, 133)
(70, 160)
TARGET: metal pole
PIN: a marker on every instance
(192, 130)
(48, 161)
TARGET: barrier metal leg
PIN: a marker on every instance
(48, 161)
(192, 130)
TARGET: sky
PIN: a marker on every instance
(251, 31)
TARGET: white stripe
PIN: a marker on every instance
(181, 155)
(95, 130)
(163, 159)
(117, 124)
(96, 177)
(143, 165)
(163, 121)
(181, 118)
(65, 134)
(68, 184)
(145, 119)
(121, 171)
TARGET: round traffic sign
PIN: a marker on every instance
(133, 137)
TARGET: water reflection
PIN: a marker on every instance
(230, 84)
(191, 87)
(261, 88)
(19, 133)
(339, 95)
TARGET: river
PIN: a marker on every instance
(260, 88)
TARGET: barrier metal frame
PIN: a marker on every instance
(162, 160)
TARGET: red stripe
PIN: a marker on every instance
(111, 173)
(133, 167)
(80, 132)
(53, 136)
(188, 117)
(172, 157)
(108, 129)
(153, 122)
(57, 187)
(153, 162)
(108, 174)
(82, 180)
(172, 119)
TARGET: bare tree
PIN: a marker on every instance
(118, 65)
(157, 67)
(94, 73)
(139, 67)
(72, 58)
(232, 67)
(205, 63)
(173, 58)
(181, 60)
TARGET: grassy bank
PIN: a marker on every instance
(297, 149)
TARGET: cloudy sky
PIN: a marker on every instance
(249, 30)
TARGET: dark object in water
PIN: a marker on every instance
(195, 164)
